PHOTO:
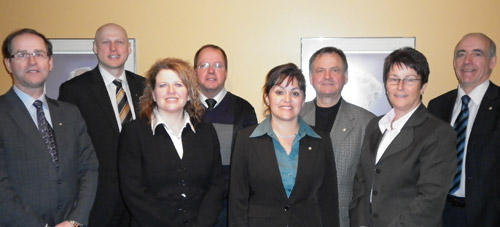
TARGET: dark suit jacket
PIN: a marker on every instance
(159, 188)
(256, 193)
(89, 93)
(482, 165)
(32, 191)
(412, 178)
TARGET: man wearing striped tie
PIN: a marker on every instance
(108, 96)
(473, 109)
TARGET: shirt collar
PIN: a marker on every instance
(265, 128)
(109, 78)
(158, 120)
(217, 98)
(28, 100)
(476, 94)
(386, 122)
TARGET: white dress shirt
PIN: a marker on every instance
(176, 138)
(217, 98)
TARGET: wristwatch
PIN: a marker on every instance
(76, 224)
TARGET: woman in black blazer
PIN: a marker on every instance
(283, 172)
(169, 161)
(408, 157)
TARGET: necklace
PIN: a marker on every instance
(286, 137)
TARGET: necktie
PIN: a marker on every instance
(461, 129)
(47, 132)
(122, 103)
(211, 103)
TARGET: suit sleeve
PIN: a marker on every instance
(437, 167)
(239, 189)
(328, 192)
(212, 201)
(88, 172)
(143, 205)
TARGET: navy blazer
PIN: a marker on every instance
(412, 178)
(256, 193)
(482, 165)
(158, 187)
(89, 93)
(32, 191)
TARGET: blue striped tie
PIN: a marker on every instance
(461, 129)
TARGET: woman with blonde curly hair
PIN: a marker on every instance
(169, 161)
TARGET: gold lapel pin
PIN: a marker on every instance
(60, 123)
(490, 108)
(344, 129)
(309, 148)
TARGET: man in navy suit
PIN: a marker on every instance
(48, 167)
(477, 200)
(94, 92)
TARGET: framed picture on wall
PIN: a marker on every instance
(73, 57)
(365, 57)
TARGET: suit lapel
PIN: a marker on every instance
(21, 116)
(308, 152)
(343, 123)
(135, 88)
(406, 136)
(101, 97)
(265, 153)
(486, 115)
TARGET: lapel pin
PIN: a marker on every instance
(309, 148)
(60, 123)
(490, 108)
(344, 129)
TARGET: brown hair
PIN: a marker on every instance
(279, 74)
(188, 77)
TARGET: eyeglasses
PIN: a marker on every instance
(409, 81)
(25, 55)
(207, 65)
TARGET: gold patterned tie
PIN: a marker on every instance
(122, 103)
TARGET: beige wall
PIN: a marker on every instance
(258, 35)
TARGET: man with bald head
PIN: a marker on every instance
(474, 196)
(107, 96)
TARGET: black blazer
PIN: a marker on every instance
(256, 193)
(89, 93)
(482, 165)
(158, 187)
(411, 179)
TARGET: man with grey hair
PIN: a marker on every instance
(107, 96)
(344, 121)
(473, 109)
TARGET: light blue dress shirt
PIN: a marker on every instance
(287, 163)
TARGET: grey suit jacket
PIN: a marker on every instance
(412, 178)
(32, 191)
(347, 136)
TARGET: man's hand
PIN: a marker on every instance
(64, 224)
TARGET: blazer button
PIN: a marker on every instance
(377, 170)
(287, 208)
(375, 192)
(59, 181)
(59, 207)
